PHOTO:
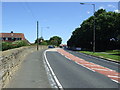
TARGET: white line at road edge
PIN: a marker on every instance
(53, 74)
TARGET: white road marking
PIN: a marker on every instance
(52, 50)
(57, 81)
(115, 80)
(102, 69)
(87, 68)
(91, 65)
(52, 82)
(106, 69)
(113, 76)
(65, 56)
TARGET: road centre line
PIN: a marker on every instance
(57, 81)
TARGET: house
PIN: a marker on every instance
(10, 37)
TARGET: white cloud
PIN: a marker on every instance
(101, 7)
(88, 12)
(112, 6)
(117, 11)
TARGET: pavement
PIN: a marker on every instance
(31, 73)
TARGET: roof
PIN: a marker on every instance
(15, 35)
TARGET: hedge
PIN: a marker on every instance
(15, 44)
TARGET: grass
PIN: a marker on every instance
(103, 55)
(113, 51)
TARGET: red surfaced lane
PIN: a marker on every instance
(94, 67)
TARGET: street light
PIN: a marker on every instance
(94, 24)
(42, 31)
(37, 35)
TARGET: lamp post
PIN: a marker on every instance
(42, 30)
(37, 36)
(94, 24)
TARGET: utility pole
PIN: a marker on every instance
(37, 37)
(94, 29)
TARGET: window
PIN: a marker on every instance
(12, 38)
(1, 38)
(17, 38)
(6, 38)
(9, 39)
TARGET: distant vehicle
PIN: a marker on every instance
(75, 48)
(51, 46)
(60, 46)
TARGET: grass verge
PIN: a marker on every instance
(103, 55)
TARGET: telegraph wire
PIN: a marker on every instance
(29, 10)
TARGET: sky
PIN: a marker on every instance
(61, 17)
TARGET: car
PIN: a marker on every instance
(75, 48)
(51, 46)
(78, 49)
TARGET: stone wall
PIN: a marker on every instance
(10, 61)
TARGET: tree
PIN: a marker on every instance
(44, 43)
(55, 40)
(107, 32)
(40, 40)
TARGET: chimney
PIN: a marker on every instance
(11, 31)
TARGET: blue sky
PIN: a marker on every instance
(61, 17)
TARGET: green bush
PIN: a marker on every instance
(6, 45)
(44, 43)
(19, 43)
(15, 44)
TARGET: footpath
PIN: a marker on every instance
(31, 73)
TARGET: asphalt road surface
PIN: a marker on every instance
(72, 75)
(105, 63)
(31, 73)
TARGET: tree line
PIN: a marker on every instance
(107, 32)
(55, 40)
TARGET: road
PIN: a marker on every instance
(74, 75)
(105, 63)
